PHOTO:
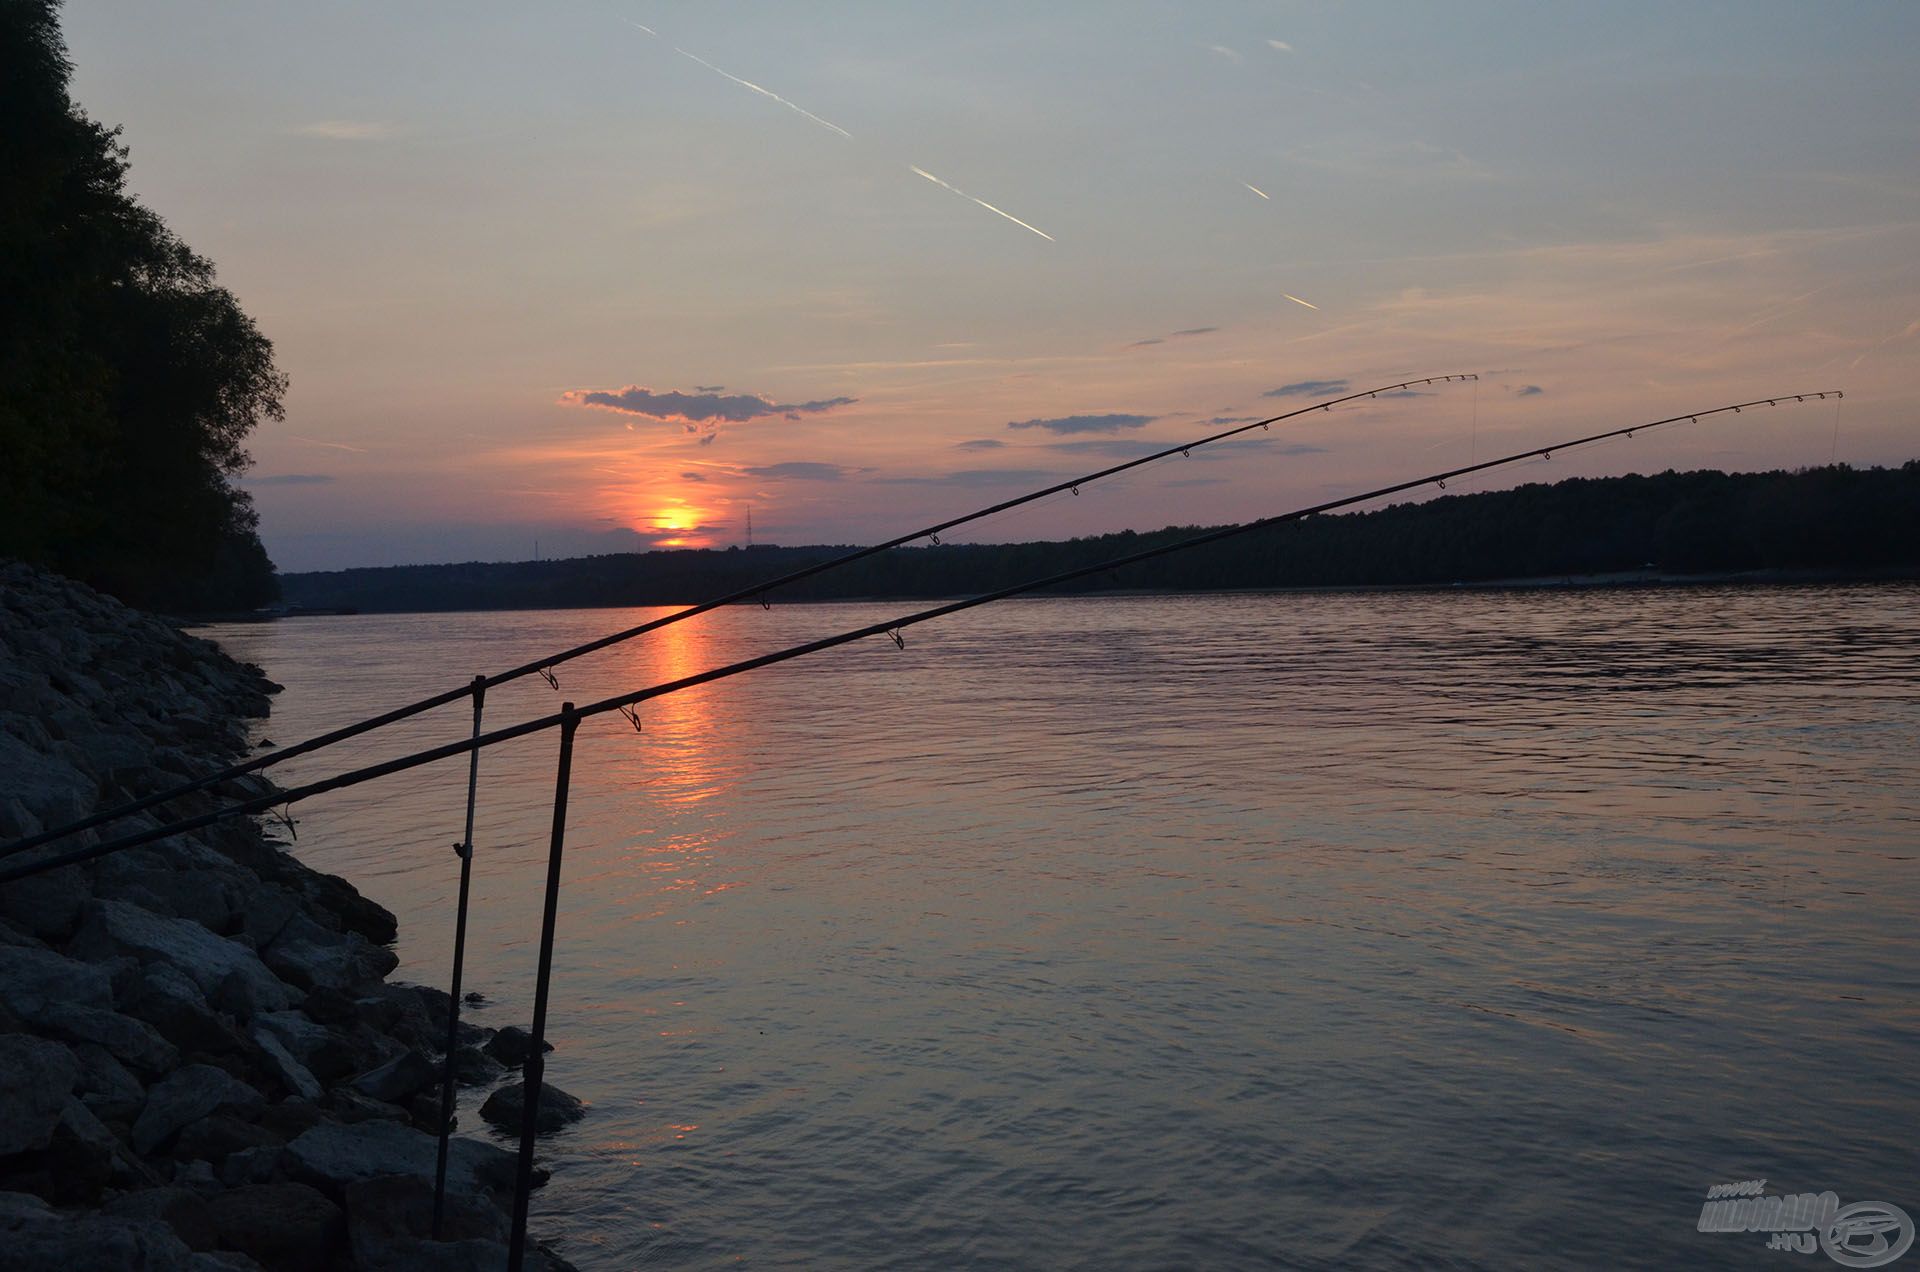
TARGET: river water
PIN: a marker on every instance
(1426, 929)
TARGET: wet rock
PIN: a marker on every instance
(187, 1096)
(35, 1079)
(423, 1110)
(354, 912)
(510, 1046)
(387, 1215)
(474, 1067)
(399, 1079)
(506, 1107)
(285, 1227)
(181, 1209)
(113, 927)
(331, 1156)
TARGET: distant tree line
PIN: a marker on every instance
(128, 378)
(1836, 519)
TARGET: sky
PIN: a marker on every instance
(590, 277)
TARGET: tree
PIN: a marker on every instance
(129, 379)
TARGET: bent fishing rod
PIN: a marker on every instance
(478, 686)
(570, 716)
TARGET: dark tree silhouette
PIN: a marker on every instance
(1839, 521)
(129, 379)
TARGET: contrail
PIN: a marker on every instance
(314, 441)
(800, 110)
(983, 203)
(641, 27)
(1257, 190)
(1296, 300)
(1911, 329)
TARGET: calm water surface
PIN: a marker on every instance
(1479, 929)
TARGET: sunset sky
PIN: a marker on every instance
(604, 276)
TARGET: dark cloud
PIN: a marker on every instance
(979, 444)
(1528, 390)
(697, 408)
(1085, 423)
(970, 477)
(1235, 419)
(289, 479)
(1308, 388)
(804, 470)
(1400, 393)
(1195, 331)
(692, 476)
(709, 388)
(1150, 340)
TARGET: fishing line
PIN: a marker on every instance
(543, 667)
(569, 717)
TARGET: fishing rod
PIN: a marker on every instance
(570, 716)
(478, 686)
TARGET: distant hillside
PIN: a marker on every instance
(1837, 519)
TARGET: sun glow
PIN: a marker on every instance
(678, 520)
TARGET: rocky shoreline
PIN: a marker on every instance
(202, 1065)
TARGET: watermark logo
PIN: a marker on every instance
(1866, 1234)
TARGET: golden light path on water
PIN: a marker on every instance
(1186, 931)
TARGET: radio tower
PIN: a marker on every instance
(749, 525)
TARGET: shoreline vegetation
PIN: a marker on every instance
(1830, 524)
(202, 1063)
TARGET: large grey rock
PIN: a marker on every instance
(474, 1067)
(331, 1156)
(388, 1217)
(47, 785)
(181, 1209)
(293, 1075)
(54, 1243)
(506, 1107)
(405, 1075)
(131, 1041)
(511, 1044)
(287, 1227)
(36, 1077)
(174, 1005)
(31, 980)
(299, 1034)
(312, 957)
(187, 1096)
(113, 927)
